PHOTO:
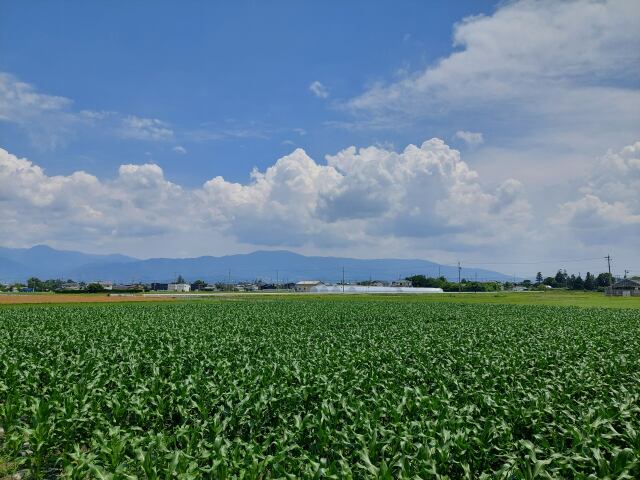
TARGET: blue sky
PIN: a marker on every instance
(226, 69)
(529, 102)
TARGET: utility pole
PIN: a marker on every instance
(625, 272)
(608, 257)
(438, 271)
(342, 279)
(229, 283)
(277, 278)
(459, 284)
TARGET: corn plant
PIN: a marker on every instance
(319, 388)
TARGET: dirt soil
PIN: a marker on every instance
(75, 298)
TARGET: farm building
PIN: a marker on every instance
(307, 285)
(624, 288)
(70, 287)
(179, 287)
(134, 287)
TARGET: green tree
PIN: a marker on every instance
(589, 282)
(539, 278)
(94, 288)
(36, 284)
(604, 280)
(180, 279)
(50, 285)
(417, 280)
(578, 283)
(199, 285)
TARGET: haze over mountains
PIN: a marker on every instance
(18, 264)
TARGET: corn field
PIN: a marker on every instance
(319, 388)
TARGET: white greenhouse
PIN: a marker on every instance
(322, 288)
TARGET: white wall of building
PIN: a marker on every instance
(179, 287)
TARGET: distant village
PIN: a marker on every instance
(603, 282)
(182, 286)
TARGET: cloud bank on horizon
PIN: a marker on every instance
(541, 99)
(423, 197)
(359, 196)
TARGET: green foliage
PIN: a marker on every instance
(36, 284)
(364, 388)
(589, 282)
(94, 288)
(604, 280)
(444, 284)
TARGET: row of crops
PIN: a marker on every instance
(319, 388)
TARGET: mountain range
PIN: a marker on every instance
(44, 262)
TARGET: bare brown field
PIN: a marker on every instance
(75, 298)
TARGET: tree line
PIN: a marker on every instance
(560, 280)
(422, 281)
(572, 282)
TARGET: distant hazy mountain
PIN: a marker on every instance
(45, 262)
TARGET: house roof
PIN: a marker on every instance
(626, 283)
(309, 282)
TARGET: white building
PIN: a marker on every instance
(307, 285)
(179, 287)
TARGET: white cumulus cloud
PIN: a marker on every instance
(145, 128)
(470, 138)
(180, 149)
(553, 81)
(51, 121)
(526, 48)
(318, 89)
(47, 119)
(610, 201)
(41, 208)
(361, 197)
